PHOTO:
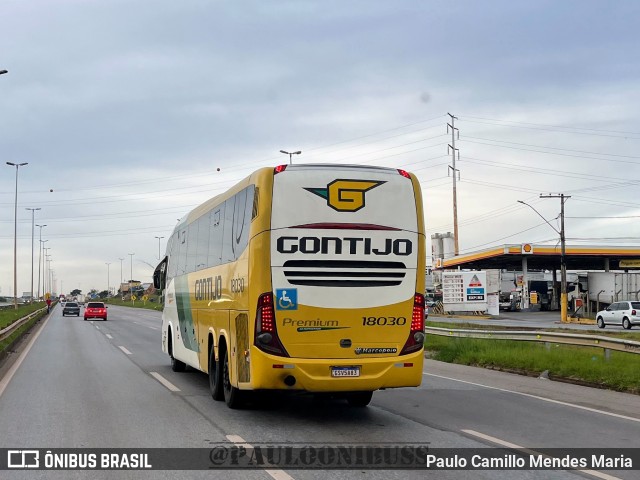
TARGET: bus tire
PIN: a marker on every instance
(215, 377)
(359, 399)
(231, 394)
(176, 365)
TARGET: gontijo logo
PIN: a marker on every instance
(346, 195)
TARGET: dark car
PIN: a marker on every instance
(71, 308)
(95, 310)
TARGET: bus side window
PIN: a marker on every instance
(171, 252)
(216, 227)
(202, 241)
(182, 252)
(227, 235)
(242, 215)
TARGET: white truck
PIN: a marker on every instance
(609, 287)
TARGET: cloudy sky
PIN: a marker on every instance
(125, 111)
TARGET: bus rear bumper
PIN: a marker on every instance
(315, 375)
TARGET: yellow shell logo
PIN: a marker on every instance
(345, 195)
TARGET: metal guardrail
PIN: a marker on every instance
(5, 332)
(608, 343)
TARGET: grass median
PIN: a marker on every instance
(586, 365)
(152, 303)
(8, 315)
(7, 318)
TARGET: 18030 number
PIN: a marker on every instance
(237, 285)
(382, 321)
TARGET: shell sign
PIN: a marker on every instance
(527, 249)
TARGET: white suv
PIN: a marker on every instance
(620, 313)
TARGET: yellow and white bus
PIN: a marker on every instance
(300, 277)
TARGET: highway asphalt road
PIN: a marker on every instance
(108, 384)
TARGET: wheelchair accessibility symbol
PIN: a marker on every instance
(286, 299)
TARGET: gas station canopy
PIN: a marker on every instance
(546, 257)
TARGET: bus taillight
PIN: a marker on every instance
(279, 168)
(416, 336)
(266, 337)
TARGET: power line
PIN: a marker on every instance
(552, 128)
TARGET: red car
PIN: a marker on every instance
(95, 310)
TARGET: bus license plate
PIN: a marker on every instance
(345, 371)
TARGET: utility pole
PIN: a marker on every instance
(40, 244)
(456, 173)
(563, 261)
(120, 287)
(108, 281)
(131, 278)
(33, 213)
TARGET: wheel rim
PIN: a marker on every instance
(625, 324)
(212, 372)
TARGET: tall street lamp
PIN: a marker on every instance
(131, 277)
(47, 259)
(108, 280)
(291, 154)
(563, 260)
(120, 288)
(45, 274)
(159, 246)
(33, 212)
(42, 256)
(15, 236)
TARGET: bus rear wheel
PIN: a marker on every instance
(359, 399)
(215, 377)
(231, 394)
(176, 365)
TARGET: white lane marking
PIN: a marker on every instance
(504, 443)
(97, 327)
(275, 474)
(550, 400)
(154, 328)
(164, 381)
(14, 368)
(125, 350)
(109, 337)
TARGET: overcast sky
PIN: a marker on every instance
(127, 109)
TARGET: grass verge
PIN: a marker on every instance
(8, 342)
(577, 364)
(8, 315)
(149, 305)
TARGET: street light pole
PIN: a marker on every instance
(563, 259)
(159, 247)
(291, 154)
(131, 277)
(563, 262)
(120, 288)
(15, 237)
(108, 280)
(33, 212)
(45, 272)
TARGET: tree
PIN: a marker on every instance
(103, 294)
(75, 292)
